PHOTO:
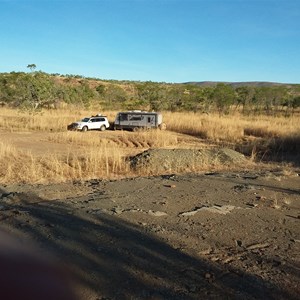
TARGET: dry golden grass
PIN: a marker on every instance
(7, 150)
(99, 157)
(231, 128)
(18, 166)
(47, 120)
(87, 139)
(148, 139)
(142, 139)
(260, 137)
(205, 126)
(226, 128)
(103, 155)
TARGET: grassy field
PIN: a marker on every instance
(228, 127)
(233, 127)
(106, 157)
(257, 136)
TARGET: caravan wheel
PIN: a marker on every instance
(162, 126)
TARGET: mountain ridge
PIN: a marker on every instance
(240, 84)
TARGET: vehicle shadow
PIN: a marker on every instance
(110, 258)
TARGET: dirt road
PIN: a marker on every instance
(45, 143)
(198, 236)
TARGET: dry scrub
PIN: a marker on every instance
(104, 156)
(257, 136)
(46, 120)
(142, 139)
(17, 166)
(231, 128)
(228, 128)
(99, 157)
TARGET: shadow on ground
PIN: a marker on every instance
(113, 259)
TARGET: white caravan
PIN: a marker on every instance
(137, 119)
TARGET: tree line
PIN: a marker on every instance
(36, 90)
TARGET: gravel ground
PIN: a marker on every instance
(226, 235)
(179, 160)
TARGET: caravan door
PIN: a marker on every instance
(150, 120)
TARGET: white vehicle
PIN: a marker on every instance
(90, 123)
(136, 119)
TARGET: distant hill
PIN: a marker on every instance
(239, 84)
(37, 90)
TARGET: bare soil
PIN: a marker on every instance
(40, 143)
(227, 235)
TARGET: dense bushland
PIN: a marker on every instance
(36, 90)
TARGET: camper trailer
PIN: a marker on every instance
(136, 119)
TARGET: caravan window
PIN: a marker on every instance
(123, 117)
(135, 118)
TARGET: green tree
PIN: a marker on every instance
(29, 91)
(295, 102)
(154, 94)
(114, 96)
(32, 67)
(100, 89)
(175, 97)
(270, 98)
(223, 96)
(244, 97)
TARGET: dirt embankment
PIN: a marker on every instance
(198, 236)
(180, 160)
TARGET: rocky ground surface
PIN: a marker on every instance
(179, 160)
(195, 236)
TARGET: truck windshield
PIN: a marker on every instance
(85, 120)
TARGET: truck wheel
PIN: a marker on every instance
(102, 128)
(135, 129)
(85, 128)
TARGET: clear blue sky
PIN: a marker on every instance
(157, 40)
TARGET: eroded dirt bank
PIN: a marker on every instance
(202, 236)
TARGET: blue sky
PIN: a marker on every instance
(157, 40)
